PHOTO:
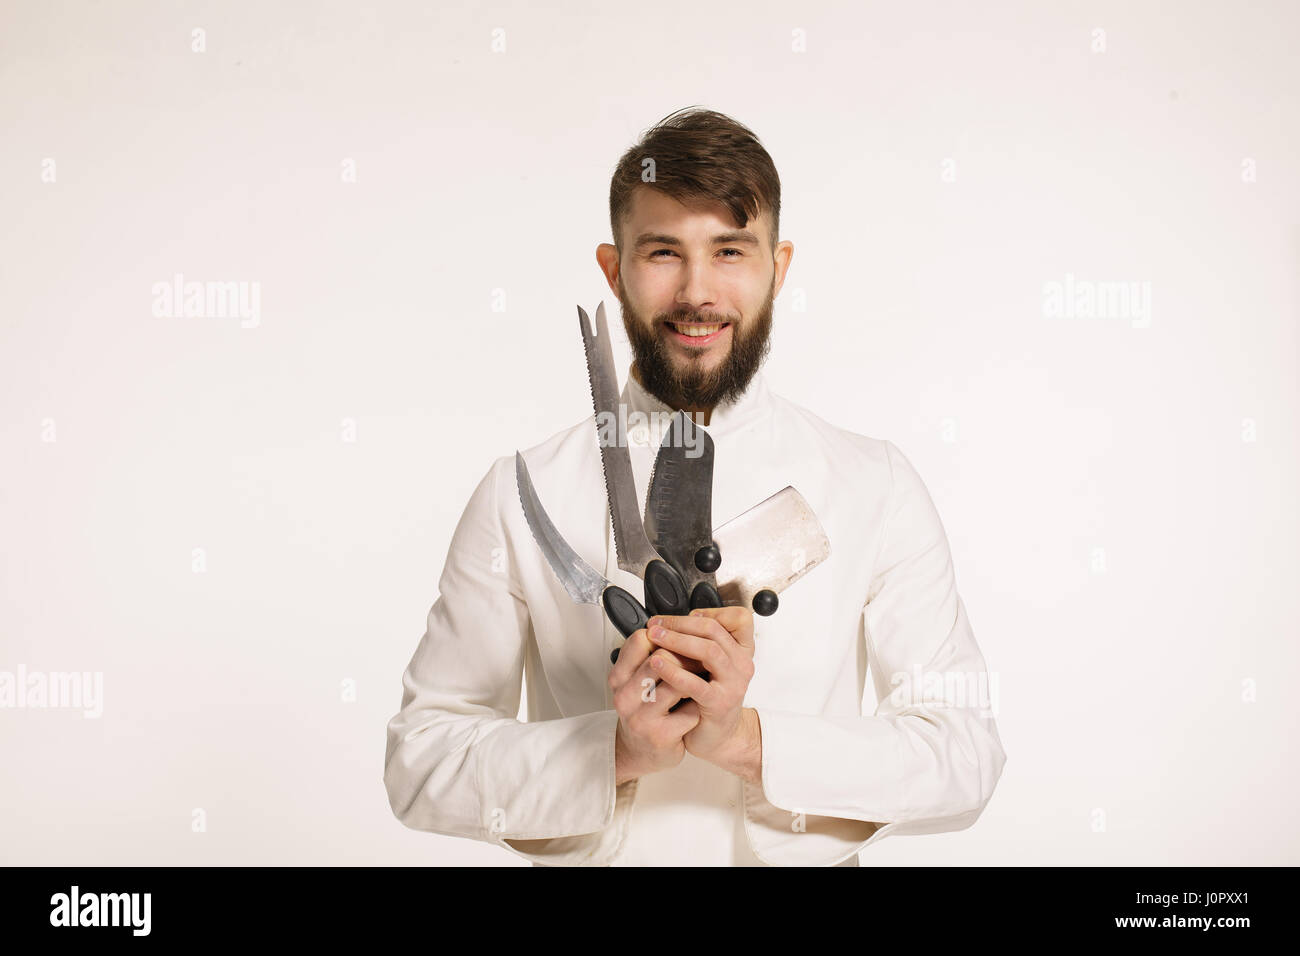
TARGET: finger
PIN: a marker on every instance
(703, 649)
(681, 680)
(699, 624)
(691, 710)
(631, 655)
(663, 696)
(644, 683)
(683, 719)
(704, 626)
(737, 621)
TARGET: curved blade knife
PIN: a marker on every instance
(584, 584)
(665, 592)
(679, 508)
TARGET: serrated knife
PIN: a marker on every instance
(583, 582)
(665, 592)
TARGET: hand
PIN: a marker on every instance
(649, 738)
(722, 639)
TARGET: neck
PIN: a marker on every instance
(700, 415)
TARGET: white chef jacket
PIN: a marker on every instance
(925, 760)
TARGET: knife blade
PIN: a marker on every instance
(665, 592)
(679, 508)
(583, 582)
(767, 548)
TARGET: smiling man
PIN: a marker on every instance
(709, 289)
(775, 759)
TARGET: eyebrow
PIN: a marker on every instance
(743, 236)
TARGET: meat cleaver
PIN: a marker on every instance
(767, 548)
(751, 558)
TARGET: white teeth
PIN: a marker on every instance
(695, 331)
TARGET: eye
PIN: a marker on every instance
(669, 252)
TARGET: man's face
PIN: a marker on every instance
(697, 295)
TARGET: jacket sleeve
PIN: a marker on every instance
(457, 761)
(928, 759)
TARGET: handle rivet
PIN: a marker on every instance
(708, 559)
(765, 602)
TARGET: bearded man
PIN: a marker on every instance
(766, 757)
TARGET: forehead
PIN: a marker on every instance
(650, 210)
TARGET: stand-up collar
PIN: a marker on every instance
(753, 405)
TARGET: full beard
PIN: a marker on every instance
(688, 384)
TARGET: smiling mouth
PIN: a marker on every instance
(696, 333)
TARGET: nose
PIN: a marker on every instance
(697, 293)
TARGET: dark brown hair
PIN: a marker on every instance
(699, 155)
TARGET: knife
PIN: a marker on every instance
(768, 548)
(665, 592)
(679, 508)
(583, 582)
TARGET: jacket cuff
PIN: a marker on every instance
(547, 790)
(784, 830)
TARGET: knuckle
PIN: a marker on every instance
(667, 657)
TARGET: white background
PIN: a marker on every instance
(1124, 694)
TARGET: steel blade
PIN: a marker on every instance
(679, 503)
(630, 542)
(579, 578)
(769, 547)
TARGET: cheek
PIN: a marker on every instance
(656, 300)
(743, 295)
(646, 303)
(645, 282)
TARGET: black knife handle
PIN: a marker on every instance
(623, 610)
(665, 592)
(705, 595)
